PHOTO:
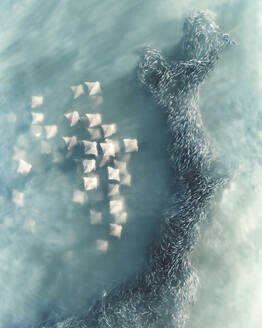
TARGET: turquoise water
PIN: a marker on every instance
(49, 262)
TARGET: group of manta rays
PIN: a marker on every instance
(158, 296)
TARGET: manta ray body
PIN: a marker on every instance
(158, 296)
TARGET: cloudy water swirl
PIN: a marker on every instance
(73, 227)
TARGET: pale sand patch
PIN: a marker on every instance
(57, 157)
(11, 117)
(29, 225)
(121, 165)
(36, 131)
(8, 222)
(19, 154)
(45, 147)
(51, 131)
(79, 196)
(95, 217)
(102, 245)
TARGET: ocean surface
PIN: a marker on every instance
(53, 257)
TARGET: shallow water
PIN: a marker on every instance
(49, 264)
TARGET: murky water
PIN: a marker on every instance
(50, 260)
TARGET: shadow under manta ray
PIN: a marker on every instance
(157, 297)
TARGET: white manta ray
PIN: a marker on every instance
(89, 165)
(70, 142)
(24, 167)
(113, 174)
(102, 245)
(37, 117)
(108, 149)
(90, 147)
(91, 182)
(37, 101)
(109, 129)
(115, 230)
(120, 218)
(92, 119)
(94, 88)
(51, 131)
(78, 90)
(113, 189)
(130, 145)
(73, 117)
(95, 133)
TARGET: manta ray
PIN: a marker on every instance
(158, 296)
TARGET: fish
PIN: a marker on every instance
(157, 296)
